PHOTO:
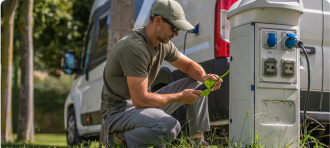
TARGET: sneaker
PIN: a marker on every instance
(201, 143)
(114, 142)
(204, 144)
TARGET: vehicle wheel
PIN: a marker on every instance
(72, 135)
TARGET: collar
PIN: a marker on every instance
(142, 32)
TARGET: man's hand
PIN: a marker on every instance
(190, 96)
(214, 77)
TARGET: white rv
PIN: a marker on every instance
(210, 48)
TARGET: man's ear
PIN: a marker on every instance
(157, 19)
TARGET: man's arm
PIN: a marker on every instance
(188, 66)
(141, 98)
(194, 70)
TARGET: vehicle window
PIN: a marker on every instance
(103, 33)
(100, 53)
(87, 48)
(142, 12)
(137, 8)
(89, 45)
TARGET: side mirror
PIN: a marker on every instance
(69, 63)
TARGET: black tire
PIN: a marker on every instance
(72, 135)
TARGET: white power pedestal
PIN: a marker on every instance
(264, 77)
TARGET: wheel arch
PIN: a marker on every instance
(66, 114)
(165, 76)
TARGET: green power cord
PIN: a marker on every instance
(210, 83)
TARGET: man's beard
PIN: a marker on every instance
(165, 40)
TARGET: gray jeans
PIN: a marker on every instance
(152, 126)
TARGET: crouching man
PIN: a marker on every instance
(135, 117)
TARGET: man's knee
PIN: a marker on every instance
(168, 128)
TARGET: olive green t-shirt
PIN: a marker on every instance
(132, 56)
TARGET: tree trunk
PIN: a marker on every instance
(121, 23)
(25, 116)
(7, 38)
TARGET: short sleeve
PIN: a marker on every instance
(134, 61)
(172, 53)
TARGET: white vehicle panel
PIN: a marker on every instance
(311, 35)
(95, 92)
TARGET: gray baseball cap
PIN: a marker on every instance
(172, 11)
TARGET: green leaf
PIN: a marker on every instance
(205, 93)
(209, 83)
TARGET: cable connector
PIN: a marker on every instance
(292, 41)
(196, 30)
(297, 43)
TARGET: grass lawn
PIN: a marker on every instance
(45, 141)
(49, 141)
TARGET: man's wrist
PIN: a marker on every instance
(204, 78)
(180, 96)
